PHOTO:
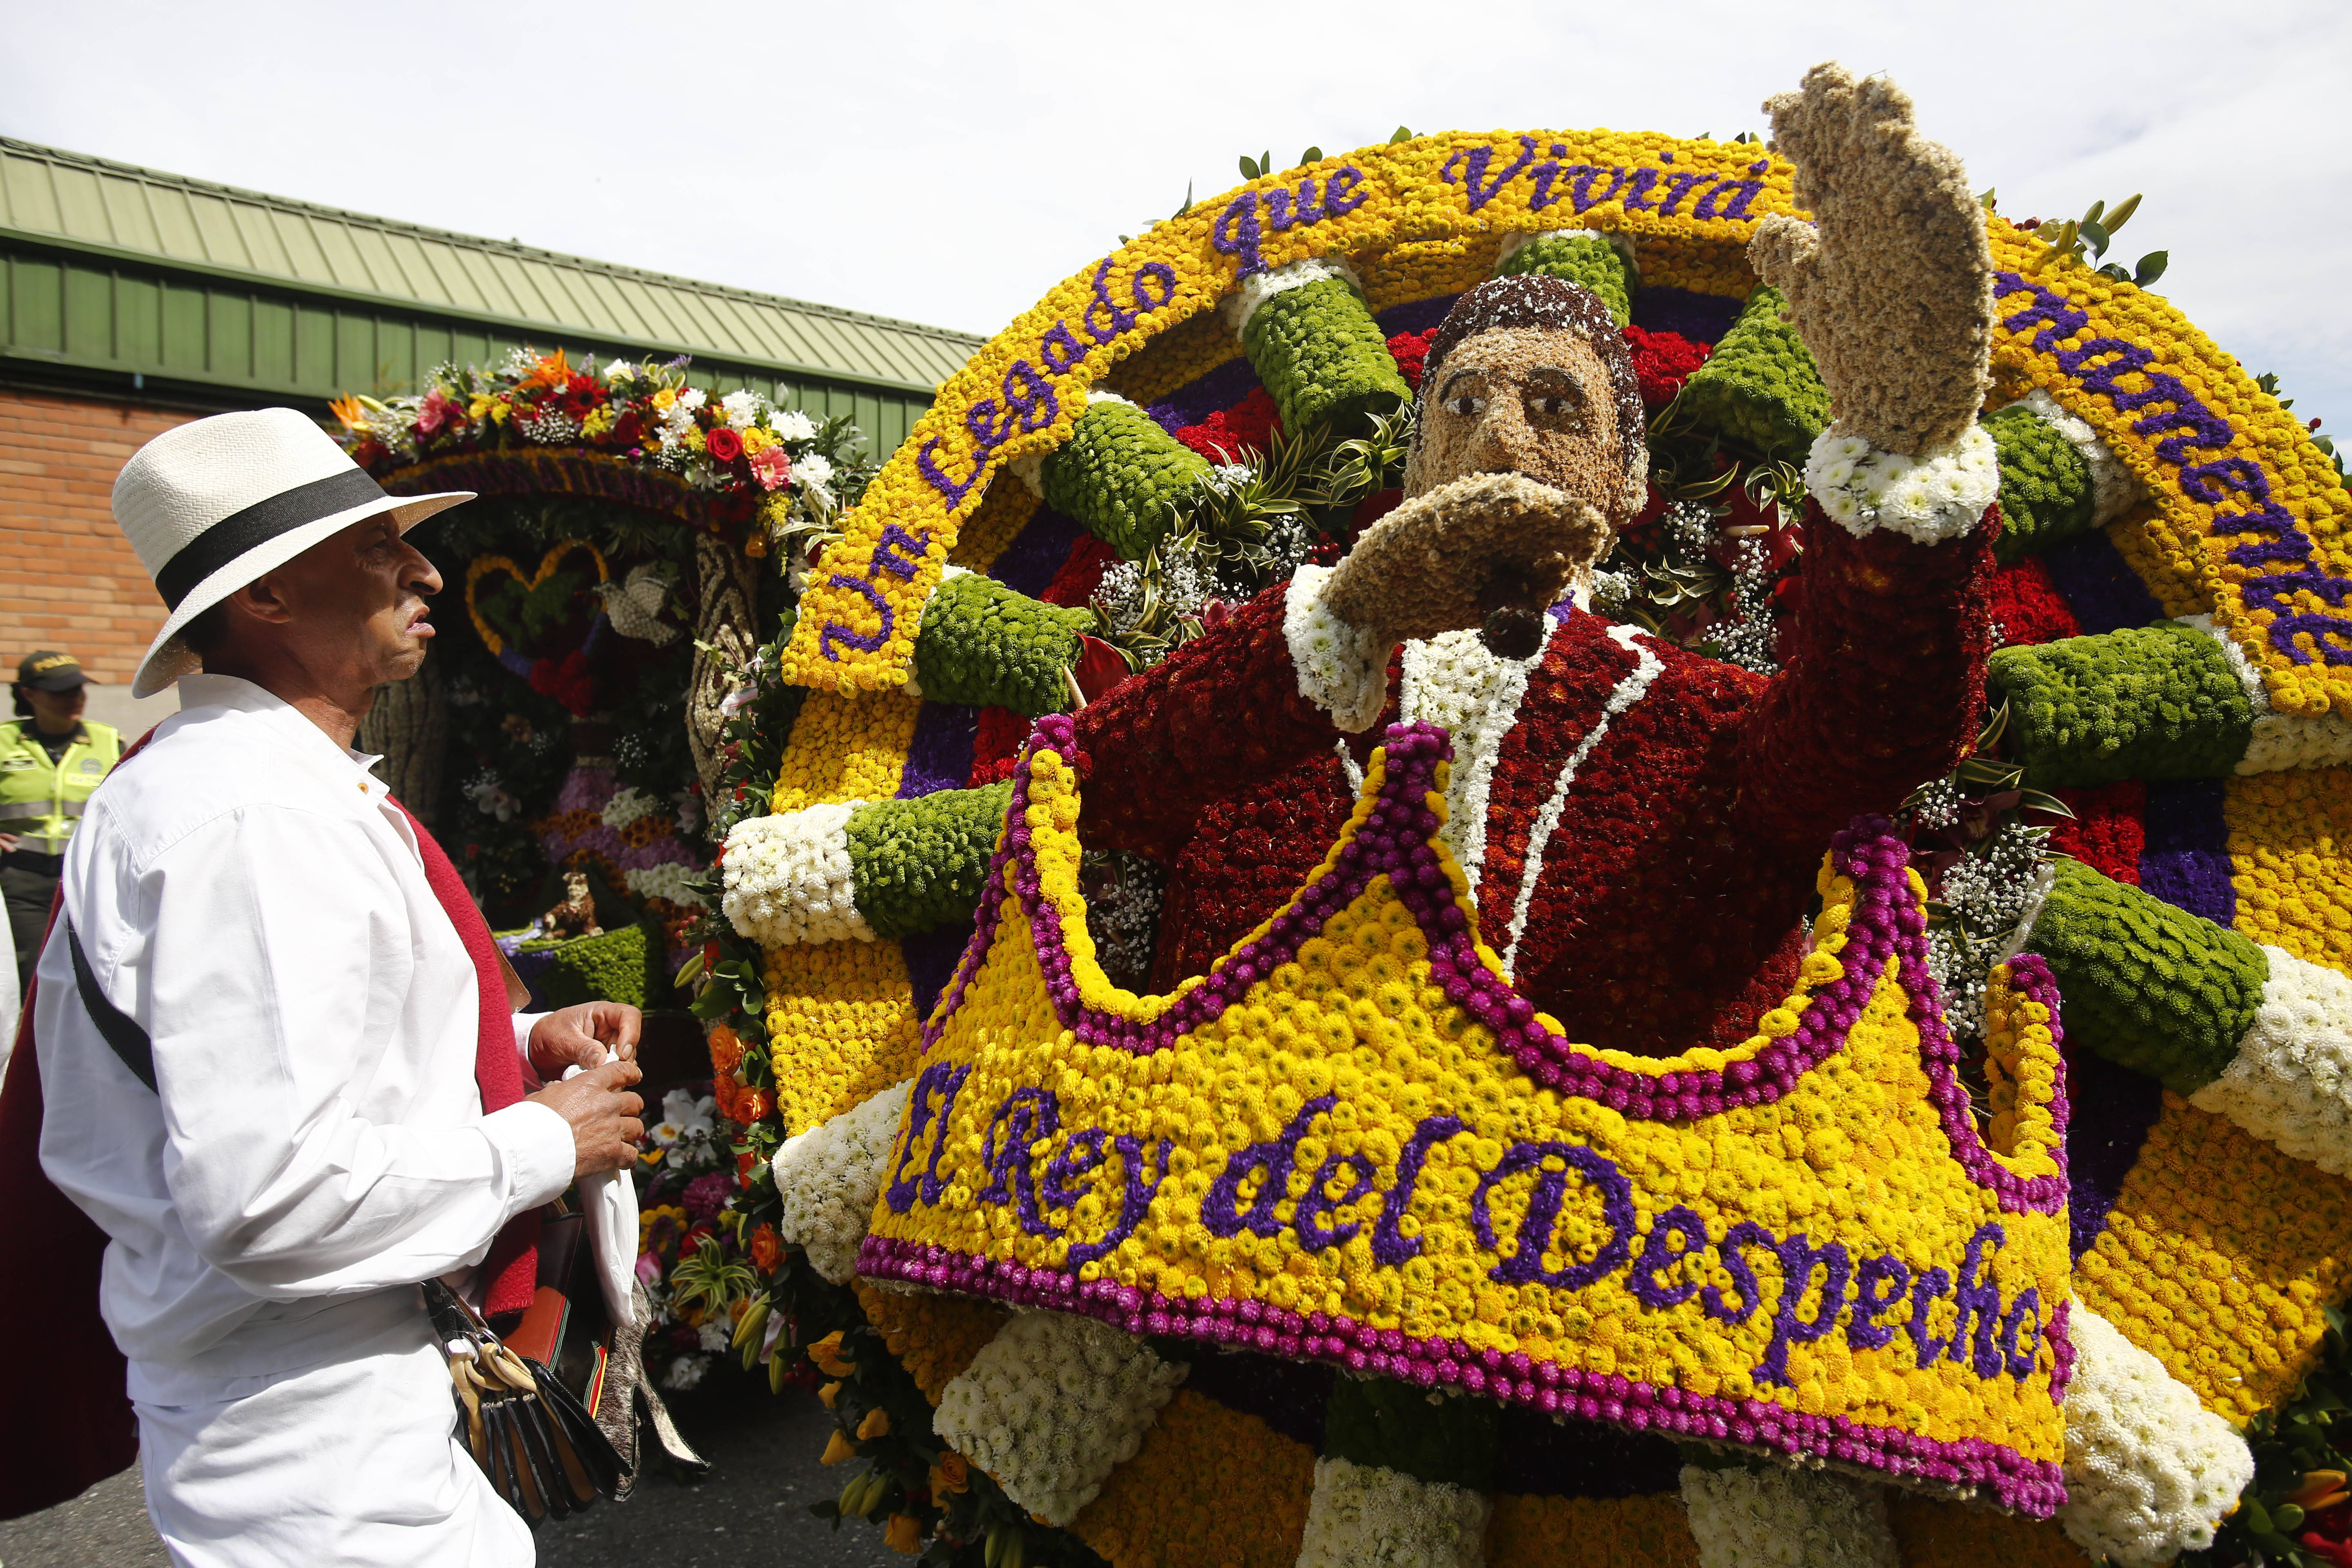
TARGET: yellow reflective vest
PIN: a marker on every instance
(40, 801)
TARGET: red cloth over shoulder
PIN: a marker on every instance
(62, 1382)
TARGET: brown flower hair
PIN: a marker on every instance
(1533, 302)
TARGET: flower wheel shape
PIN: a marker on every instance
(2172, 647)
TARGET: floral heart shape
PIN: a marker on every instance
(507, 607)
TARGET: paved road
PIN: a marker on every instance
(751, 1512)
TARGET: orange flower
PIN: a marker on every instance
(839, 1449)
(351, 411)
(551, 372)
(904, 1534)
(876, 1424)
(826, 1354)
(951, 1474)
(766, 1249)
(726, 1050)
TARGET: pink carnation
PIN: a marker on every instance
(772, 467)
(437, 410)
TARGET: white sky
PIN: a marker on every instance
(948, 163)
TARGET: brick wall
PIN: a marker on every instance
(67, 577)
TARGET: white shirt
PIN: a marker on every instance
(247, 892)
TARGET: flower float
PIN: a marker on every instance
(2142, 1042)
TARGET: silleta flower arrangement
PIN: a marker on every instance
(1403, 1164)
(755, 463)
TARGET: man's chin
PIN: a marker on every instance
(404, 663)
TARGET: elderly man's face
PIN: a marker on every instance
(355, 603)
(1524, 401)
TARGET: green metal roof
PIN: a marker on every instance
(116, 268)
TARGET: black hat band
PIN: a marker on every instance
(257, 524)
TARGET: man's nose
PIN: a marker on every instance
(1504, 438)
(418, 572)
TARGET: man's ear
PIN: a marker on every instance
(260, 601)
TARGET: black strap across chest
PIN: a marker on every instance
(121, 1032)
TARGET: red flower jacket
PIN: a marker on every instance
(1668, 899)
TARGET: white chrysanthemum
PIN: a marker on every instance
(1257, 290)
(1343, 669)
(2150, 1470)
(2291, 1081)
(743, 408)
(1779, 1518)
(2115, 488)
(830, 1178)
(1454, 681)
(812, 469)
(667, 881)
(791, 425)
(1052, 1405)
(1940, 496)
(1366, 1515)
(628, 804)
(2280, 741)
(789, 878)
(620, 370)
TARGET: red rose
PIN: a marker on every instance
(723, 445)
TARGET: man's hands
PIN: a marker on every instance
(586, 1036)
(601, 1038)
(1447, 560)
(602, 1113)
(1891, 285)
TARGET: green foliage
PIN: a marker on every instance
(1323, 358)
(1377, 1421)
(1119, 474)
(2148, 984)
(1585, 258)
(2045, 484)
(921, 863)
(621, 965)
(984, 643)
(2085, 239)
(1759, 388)
(2145, 703)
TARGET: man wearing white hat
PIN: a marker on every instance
(327, 1106)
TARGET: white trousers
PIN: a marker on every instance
(352, 1464)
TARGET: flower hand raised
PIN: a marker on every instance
(1891, 285)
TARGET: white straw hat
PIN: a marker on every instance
(214, 504)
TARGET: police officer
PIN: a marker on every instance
(50, 759)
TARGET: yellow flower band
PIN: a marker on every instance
(1352, 1142)
(2249, 508)
(1021, 392)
